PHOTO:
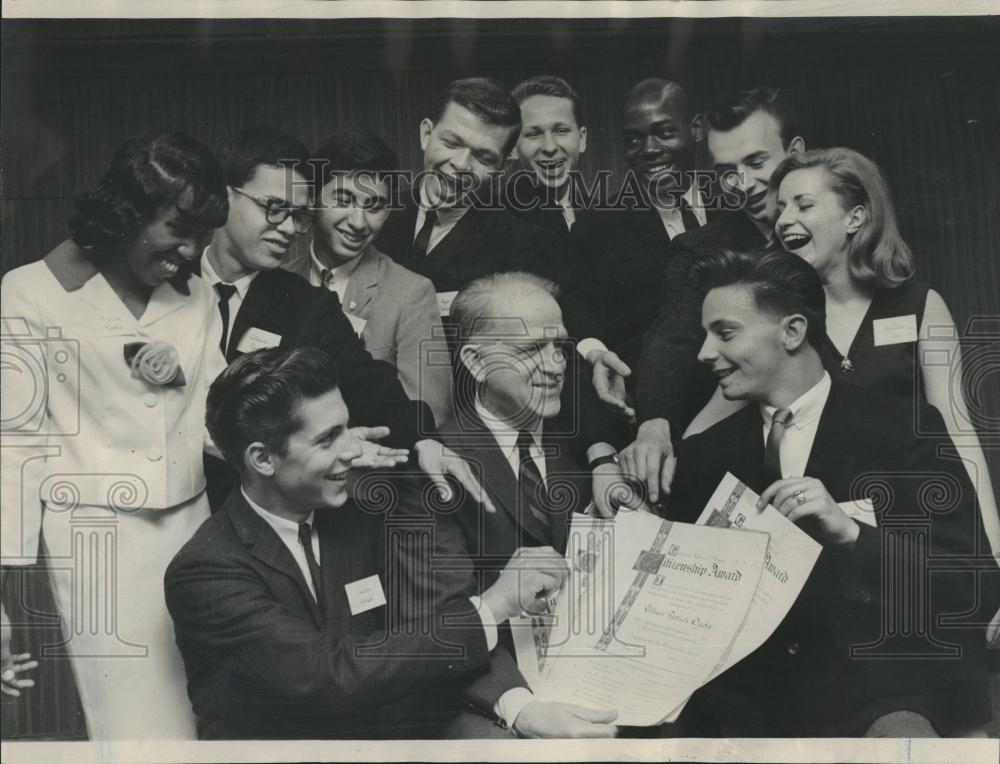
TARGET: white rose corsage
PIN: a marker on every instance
(155, 362)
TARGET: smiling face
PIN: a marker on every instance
(659, 142)
(550, 142)
(520, 366)
(812, 222)
(312, 473)
(164, 246)
(460, 143)
(255, 244)
(745, 346)
(745, 158)
(353, 208)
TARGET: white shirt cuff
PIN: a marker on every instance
(511, 703)
(584, 347)
(488, 621)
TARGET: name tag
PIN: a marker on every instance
(258, 339)
(111, 326)
(357, 323)
(892, 331)
(364, 594)
(862, 510)
(445, 299)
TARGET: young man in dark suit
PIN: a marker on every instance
(288, 614)
(548, 149)
(263, 305)
(624, 248)
(881, 636)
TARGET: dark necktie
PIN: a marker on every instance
(423, 239)
(305, 538)
(225, 291)
(772, 451)
(529, 479)
(688, 217)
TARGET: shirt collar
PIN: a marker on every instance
(341, 272)
(212, 278)
(282, 525)
(694, 201)
(805, 409)
(446, 216)
(504, 434)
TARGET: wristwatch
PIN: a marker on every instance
(602, 460)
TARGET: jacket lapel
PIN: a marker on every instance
(264, 292)
(263, 543)
(363, 286)
(466, 235)
(564, 478)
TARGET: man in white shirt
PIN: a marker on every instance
(856, 650)
(277, 597)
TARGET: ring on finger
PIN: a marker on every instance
(800, 496)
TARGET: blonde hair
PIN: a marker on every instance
(877, 254)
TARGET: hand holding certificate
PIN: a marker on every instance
(652, 610)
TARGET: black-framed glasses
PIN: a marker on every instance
(276, 211)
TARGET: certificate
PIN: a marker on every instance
(647, 613)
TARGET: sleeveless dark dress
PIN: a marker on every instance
(891, 368)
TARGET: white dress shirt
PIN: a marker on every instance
(242, 284)
(288, 532)
(672, 219)
(506, 438)
(447, 218)
(337, 278)
(511, 702)
(800, 432)
(568, 213)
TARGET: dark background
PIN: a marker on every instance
(921, 96)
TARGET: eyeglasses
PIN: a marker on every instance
(276, 211)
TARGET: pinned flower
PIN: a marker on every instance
(155, 362)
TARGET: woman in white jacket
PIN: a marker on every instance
(109, 348)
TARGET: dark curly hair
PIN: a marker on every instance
(149, 172)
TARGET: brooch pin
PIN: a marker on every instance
(846, 365)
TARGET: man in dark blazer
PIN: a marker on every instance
(286, 614)
(748, 136)
(624, 248)
(884, 633)
(262, 305)
(513, 353)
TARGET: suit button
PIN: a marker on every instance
(150, 399)
(154, 454)
(866, 596)
(793, 648)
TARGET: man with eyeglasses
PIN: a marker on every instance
(262, 305)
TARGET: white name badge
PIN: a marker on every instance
(357, 323)
(445, 299)
(258, 339)
(892, 331)
(364, 594)
(111, 325)
(862, 510)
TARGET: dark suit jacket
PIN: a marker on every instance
(489, 540)
(483, 241)
(671, 382)
(264, 661)
(622, 255)
(285, 304)
(804, 680)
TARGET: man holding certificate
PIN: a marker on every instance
(886, 637)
